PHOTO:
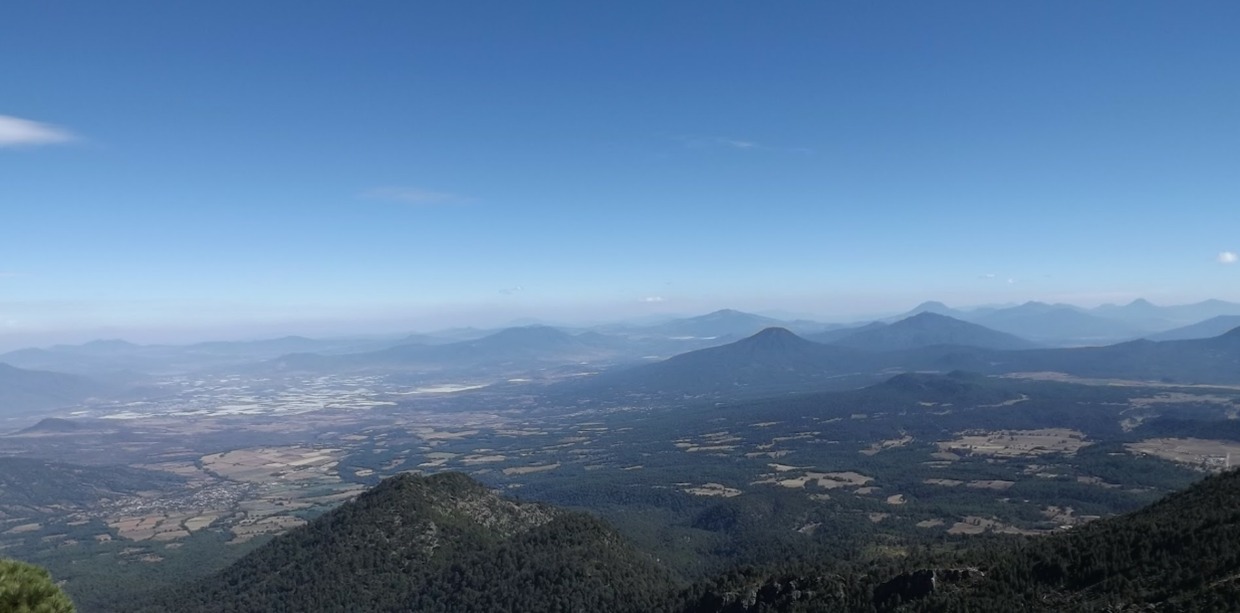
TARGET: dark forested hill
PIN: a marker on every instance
(438, 543)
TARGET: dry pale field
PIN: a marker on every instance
(977, 525)
(525, 470)
(713, 489)
(887, 444)
(1206, 454)
(249, 492)
(265, 464)
(825, 480)
(1015, 443)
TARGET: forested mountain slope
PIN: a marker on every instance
(438, 543)
(1179, 554)
(446, 543)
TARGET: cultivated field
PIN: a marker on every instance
(1205, 454)
(1015, 443)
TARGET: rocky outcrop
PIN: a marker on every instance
(920, 584)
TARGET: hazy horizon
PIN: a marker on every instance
(386, 327)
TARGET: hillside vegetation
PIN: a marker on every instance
(438, 543)
(1179, 554)
(25, 588)
(445, 543)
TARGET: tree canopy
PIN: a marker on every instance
(25, 588)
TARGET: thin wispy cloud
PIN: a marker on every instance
(18, 132)
(1228, 257)
(508, 291)
(737, 144)
(651, 299)
(413, 195)
(8, 274)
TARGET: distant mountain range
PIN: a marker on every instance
(521, 348)
(938, 308)
(510, 350)
(118, 358)
(829, 337)
(1205, 329)
(925, 329)
(1143, 314)
(1068, 325)
(1055, 324)
(1206, 360)
(723, 323)
(778, 361)
(774, 359)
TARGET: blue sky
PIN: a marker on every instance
(234, 168)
